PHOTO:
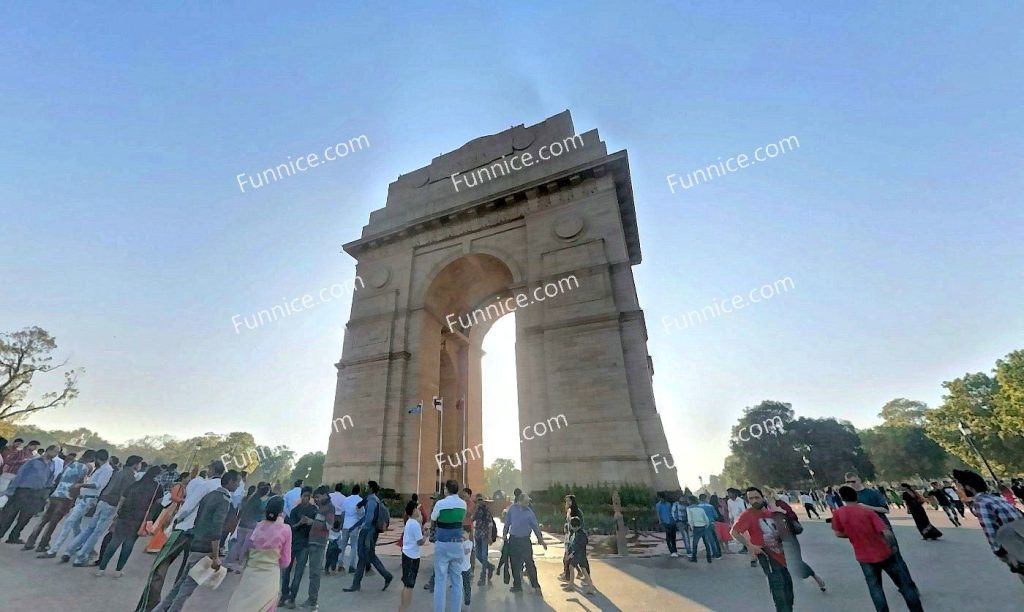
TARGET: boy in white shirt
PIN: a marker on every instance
(412, 539)
(467, 565)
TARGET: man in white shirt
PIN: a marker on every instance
(57, 466)
(88, 496)
(808, 503)
(701, 526)
(338, 499)
(352, 519)
(783, 496)
(736, 505)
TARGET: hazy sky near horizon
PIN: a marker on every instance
(898, 218)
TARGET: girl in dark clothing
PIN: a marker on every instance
(915, 505)
(138, 498)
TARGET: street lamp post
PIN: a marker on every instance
(966, 432)
(806, 448)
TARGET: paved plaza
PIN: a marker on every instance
(956, 573)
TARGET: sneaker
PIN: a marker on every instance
(117, 574)
(28, 547)
(674, 555)
(693, 559)
(480, 582)
(490, 574)
(65, 558)
(16, 541)
(387, 582)
(308, 603)
(516, 589)
(46, 555)
(98, 573)
(290, 604)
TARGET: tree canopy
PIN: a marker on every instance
(24, 355)
(502, 474)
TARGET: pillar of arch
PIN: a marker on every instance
(435, 254)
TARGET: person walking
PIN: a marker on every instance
(756, 529)
(915, 506)
(712, 512)
(352, 522)
(173, 499)
(873, 500)
(788, 527)
(14, 458)
(248, 517)
(180, 540)
(132, 511)
(701, 526)
(412, 540)
(82, 548)
(88, 495)
(578, 556)
(737, 505)
(205, 540)
(942, 498)
(954, 497)
(483, 535)
(808, 503)
(60, 502)
(992, 511)
(269, 552)
(871, 539)
(28, 492)
(520, 522)
(372, 527)
(663, 511)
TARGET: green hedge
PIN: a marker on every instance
(596, 503)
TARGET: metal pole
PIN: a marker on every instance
(440, 441)
(464, 427)
(970, 441)
(419, 452)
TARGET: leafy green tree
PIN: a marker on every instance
(276, 465)
(902, 412)
(902, 453)
(977, 400)
(1009, 397)
(310, 469)
(835, 448)
(23, 355)
(770, 458)
(502, 474)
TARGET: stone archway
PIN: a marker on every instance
(438, 253)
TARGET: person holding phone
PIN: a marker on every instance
(301, 520)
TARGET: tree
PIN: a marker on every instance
(276, 465)
(23, 354)
(502, 474)
(835, 448)
(902, 412)
(902, 453)
(978, 400)
(767, 458)
(310, 469)
(1009, 397)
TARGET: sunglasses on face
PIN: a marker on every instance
(851, 482)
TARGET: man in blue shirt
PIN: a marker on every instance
(668, 525)
(712, 512)
(29, 489)
(520, 522)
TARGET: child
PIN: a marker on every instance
(412, 539)
(577, 550)
(467, 564)
(333, 552)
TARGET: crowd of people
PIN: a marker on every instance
(214, 524)
(93, 506)
(764, 525)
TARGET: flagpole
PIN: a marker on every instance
(464, 412)
(440, 440)
(419, 452)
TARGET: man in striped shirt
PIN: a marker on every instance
(447, 516)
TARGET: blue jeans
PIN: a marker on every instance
(900, 577)
(481, 544)
(683, 529)
(448, 564)
(85, 543)
(350, 538)
(703, 534)
(73, 523)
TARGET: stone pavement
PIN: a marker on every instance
(956, 573)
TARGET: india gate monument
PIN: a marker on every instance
(479, 231)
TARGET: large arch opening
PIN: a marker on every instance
(463, 302)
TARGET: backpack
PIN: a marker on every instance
(382, 517)
(494, 531)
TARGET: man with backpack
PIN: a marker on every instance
(375, 522)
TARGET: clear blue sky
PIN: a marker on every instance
(899, 218)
